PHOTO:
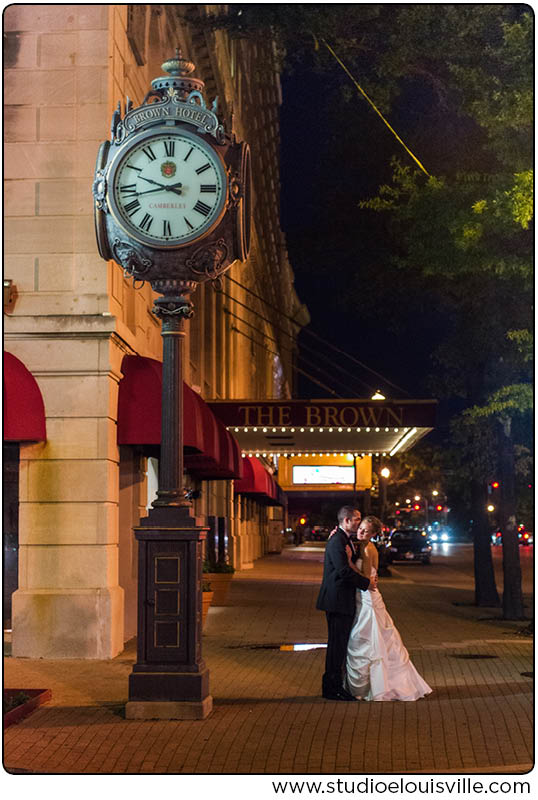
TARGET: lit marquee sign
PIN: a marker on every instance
(323, 474)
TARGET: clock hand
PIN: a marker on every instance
(159, 189)
(162, 185)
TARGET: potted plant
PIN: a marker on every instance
(207, 597)
(219, 574)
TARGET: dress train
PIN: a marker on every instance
(378, 666)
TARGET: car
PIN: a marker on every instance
(524, 536)
(439, 536)
(438, 532)
(319, 533)
(409, 544)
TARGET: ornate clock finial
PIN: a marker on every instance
(178, 78)
(178, 66)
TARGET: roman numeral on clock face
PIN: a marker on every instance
(146, 222)
(203, 168)
(130, 166)
(128, 189)
(191, 227)
(188, 154)
(149, 152)
(169, 148)
(202, 208)
(208, 187)
(132, 208)
(166, 228)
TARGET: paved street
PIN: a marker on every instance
(268, 715)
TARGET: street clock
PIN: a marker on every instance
(172, 188)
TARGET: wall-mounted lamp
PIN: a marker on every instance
(9, 294)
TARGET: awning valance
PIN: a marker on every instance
(24, 410)
(210, 451)
(259, 483)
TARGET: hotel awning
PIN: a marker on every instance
(226, 461)
(258, 483)
(358, 426)
(139, 406)
(24, 410)
(210, 451)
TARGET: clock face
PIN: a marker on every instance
(168, 189)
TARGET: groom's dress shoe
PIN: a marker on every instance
(341, 694)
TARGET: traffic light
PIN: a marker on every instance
(416, 507)
(302, 521)
(495, 485)
(438, 508)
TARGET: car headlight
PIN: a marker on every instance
(434, 537)
(444, 537)
(425, 549)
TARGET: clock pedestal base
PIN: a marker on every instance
(177, 686)
(169, 710)
(170, 679)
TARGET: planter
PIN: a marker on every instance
(207, 597)
(36, 698)
(220, 584)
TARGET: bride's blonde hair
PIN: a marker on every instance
(377, 527)
(375, 522)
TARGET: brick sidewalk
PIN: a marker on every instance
(268, 715)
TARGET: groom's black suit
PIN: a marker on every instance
(337, 599)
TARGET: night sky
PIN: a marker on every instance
(332, 157)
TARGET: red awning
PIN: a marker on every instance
(139, 406)
(210, 452)
(229, 463)
(257, 481)
(24, 410)
(207, 461)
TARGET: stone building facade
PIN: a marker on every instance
(71, 318)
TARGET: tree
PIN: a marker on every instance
(458, 80)
(472, 231)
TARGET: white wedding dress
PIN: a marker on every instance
(378, 666)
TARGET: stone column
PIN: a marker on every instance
(69, 603)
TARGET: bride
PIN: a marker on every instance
(378, 666)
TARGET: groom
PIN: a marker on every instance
(337, 599)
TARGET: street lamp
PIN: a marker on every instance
(383, 477)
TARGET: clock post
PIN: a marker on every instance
(172, 205)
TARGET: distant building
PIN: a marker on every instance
(80, 460)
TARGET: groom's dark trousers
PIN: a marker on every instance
(337, 599)
(339, 627)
